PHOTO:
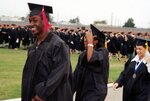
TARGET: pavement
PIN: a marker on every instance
(111, 96)
(114, 95)
(16, 99)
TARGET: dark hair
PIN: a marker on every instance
(142, 45)
(99, 44)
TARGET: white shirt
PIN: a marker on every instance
(136, 59)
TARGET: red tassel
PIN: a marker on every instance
(46, 24)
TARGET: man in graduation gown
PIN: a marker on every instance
(91, 74)
(47, 71)
(135, 78)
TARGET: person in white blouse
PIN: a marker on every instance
(135, 78)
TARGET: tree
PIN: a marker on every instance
(22, 18)
(75, 20)
(129, 23)
(26, 18)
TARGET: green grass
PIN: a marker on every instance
(11, 65)
(115, 68)
(74, 60)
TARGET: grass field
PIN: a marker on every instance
(11, 65)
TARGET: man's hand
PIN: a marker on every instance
(115, 85)
(37, 98)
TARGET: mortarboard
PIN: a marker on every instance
(143, 42)
(36, 9)
(100, 36)
(43, 10)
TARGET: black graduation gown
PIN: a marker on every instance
(120, 43)
(91, 78)
(135, 89)
(130, 45)
(47, 72)
(5, 32)
(26, 36)
(1, 36)
(77, 41)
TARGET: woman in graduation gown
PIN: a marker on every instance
(91, 73)
(135, 78)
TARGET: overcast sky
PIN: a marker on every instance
(87, 10)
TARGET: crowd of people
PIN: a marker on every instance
(13, 35)
(120, 44)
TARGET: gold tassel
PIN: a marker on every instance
(105, 44)
(146, 45)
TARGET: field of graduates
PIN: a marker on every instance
(11, 66)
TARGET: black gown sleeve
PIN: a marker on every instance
(121, 78)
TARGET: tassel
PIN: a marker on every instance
(45, 21)
(146, 45)
(105, 44)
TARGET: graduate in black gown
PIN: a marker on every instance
(47, 72)
(135, 78)
(1, 36)
(92, 70)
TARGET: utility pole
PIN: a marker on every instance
(58, 19)
(111, 19)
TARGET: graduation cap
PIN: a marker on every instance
(36, 9)
(99, 35)
(43, 10)
(143, 42)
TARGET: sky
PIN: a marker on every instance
(115, 12)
